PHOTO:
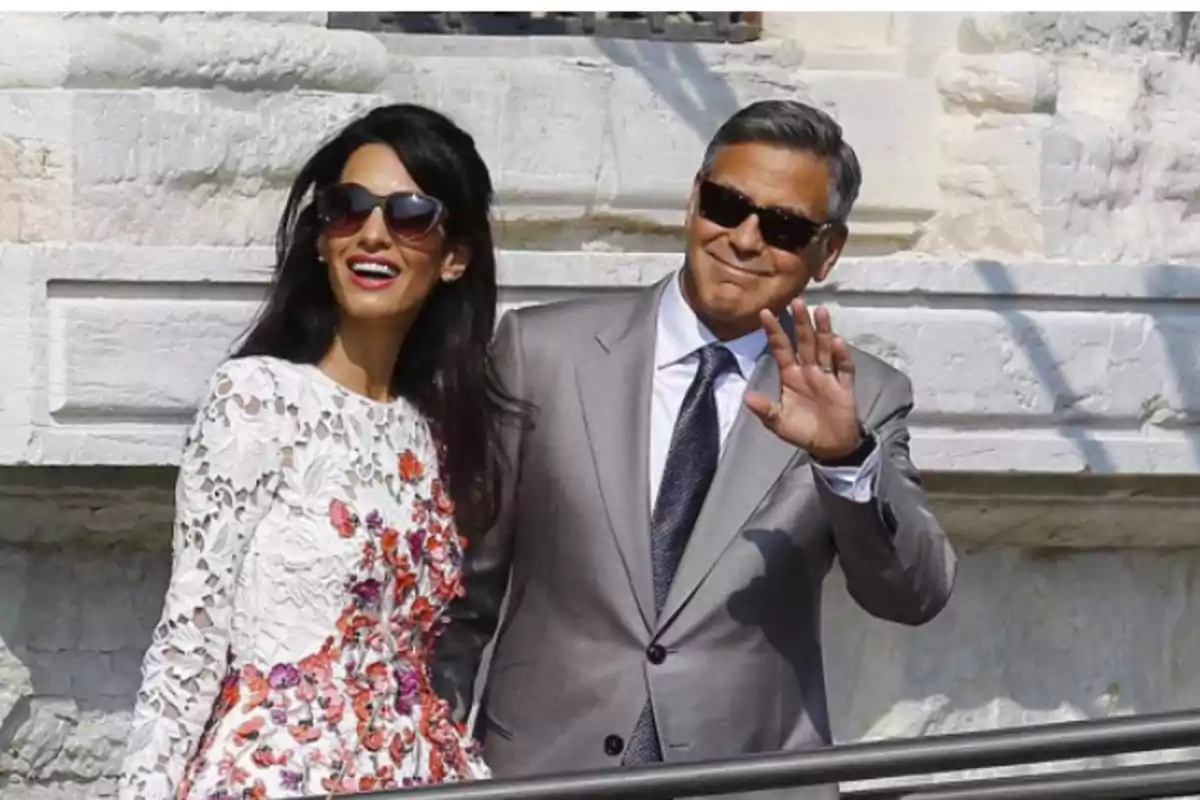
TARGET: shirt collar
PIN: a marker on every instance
(681, 333)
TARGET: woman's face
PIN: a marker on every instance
(384, 264)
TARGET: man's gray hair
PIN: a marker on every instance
(799, 127)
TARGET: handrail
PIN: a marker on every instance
(1144, 782)
(836, 764)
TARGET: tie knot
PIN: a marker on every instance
(715, 361)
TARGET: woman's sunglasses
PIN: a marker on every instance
(344, 207)
(781, 229)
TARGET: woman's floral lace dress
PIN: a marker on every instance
(314, 553)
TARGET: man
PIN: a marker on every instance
(666, 546)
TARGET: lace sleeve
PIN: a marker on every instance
(226, 478)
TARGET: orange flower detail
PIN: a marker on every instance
(411, 468)
(343, 518)
(229, 695)
(372, 738)
(316, 667)
(400, 747)
(265, 757)
(423, 612)
(256, 686)
(247, 731)
(362, 706)
(437, 767)
(441, 499)
(389, 540)
(304, 732)
(377, 672)
(333, 704)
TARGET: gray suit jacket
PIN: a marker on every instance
(743, 670)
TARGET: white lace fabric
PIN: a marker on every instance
(314, 553)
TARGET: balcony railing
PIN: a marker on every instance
(672, 26)
(895, 758)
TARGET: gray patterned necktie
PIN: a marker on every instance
(691, 463)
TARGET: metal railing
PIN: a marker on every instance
(889, 759)
(1147, 782)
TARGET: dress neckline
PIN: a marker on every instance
(316, 373)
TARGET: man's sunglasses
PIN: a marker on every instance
(344, 207)
(781, 229)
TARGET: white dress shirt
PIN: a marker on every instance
(679, 335)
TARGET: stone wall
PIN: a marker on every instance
(1021, 248)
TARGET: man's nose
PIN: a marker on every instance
(747, 238)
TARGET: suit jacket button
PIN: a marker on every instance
(656, 653)
(613, 744)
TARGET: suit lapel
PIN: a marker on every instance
(750, 465)
(614, 390)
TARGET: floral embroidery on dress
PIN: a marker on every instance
(353, 709)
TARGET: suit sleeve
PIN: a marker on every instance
(474, 617)
(899, 564)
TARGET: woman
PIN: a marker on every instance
(315, 542)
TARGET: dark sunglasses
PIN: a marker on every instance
(781, 229)
(345, 207)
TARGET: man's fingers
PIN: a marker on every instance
(843, 362)
(764, 408)
(806, 336)
(777, 340)
(824, 335)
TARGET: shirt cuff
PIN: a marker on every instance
(856, 484)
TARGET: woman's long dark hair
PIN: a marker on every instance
(445, 366)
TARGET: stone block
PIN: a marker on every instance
(991, 182)
(1014, 83)
(191, 167)
(1054, 33)
(1016, 366)
(134, 51)
(1020, 644)
(19, 331)
(540, 124)
(870, 31)
(620, 133)
(35, 166)
(246, 52)
(1110, 88)
(900, 159)
(35, 53)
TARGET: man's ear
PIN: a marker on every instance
(829, 246)
(693, 202)
(455, 263)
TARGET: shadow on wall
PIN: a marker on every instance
(1029, 637)
(1173, 323)
(1182, 346)
(1045, 362)
(679, 75)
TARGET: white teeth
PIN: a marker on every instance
(373, 270)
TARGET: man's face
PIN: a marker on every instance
(733, 272)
